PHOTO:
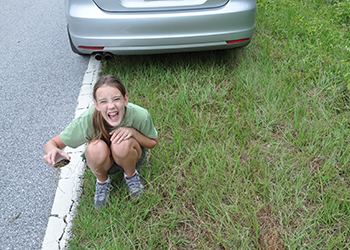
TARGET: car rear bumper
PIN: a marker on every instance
(160, 32)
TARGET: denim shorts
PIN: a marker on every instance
(117, 168)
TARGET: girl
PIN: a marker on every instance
(117, 132)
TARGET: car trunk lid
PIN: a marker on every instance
(156, 5)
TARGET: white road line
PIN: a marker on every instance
(71, 176)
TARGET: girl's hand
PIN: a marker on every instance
(121, 134)
(53, 155)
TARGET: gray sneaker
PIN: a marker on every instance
(102, 194)
(135, 186)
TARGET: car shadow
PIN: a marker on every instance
(202, 60)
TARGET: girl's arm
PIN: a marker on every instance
(53, 150)
(124, 133)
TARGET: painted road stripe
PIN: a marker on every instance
(71, 176)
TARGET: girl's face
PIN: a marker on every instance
(111, 103)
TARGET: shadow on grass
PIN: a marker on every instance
(202, 60)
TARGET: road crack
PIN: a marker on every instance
(8, 223)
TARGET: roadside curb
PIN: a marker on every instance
(71, 176)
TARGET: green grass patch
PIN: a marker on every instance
(253, 143)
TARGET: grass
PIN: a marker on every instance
(253, 146)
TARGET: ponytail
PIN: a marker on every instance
(100, 128)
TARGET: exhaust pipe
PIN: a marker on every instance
(108, 56)
(98, 56)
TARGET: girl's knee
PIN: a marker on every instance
(124, 148)
(97, 148)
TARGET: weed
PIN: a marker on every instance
(253, 146)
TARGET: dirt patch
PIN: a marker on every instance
(269, 230)
(317, 164)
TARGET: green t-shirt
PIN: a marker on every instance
(80, 130)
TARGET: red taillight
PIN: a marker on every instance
(92, 48)
(237, 41)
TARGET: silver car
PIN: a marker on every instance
(126, 27)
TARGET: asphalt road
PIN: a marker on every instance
(40, 79)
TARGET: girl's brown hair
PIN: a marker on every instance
(99, 124)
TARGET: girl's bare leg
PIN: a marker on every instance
(126, 154)
(99, 159)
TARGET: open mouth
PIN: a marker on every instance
(113, 116)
